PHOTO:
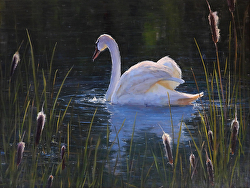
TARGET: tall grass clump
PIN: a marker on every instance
(216, 117)
(24, 85)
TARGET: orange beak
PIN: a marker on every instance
(96, 53)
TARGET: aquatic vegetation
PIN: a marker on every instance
(20, 150)
(234, 134)
(50, 181)
(193, 162)
(95, 160)
(15, 61)
(40, 125)
(166, 139)
(63, 156)
(211, 139)
(210, 169)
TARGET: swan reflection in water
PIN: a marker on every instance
(146, 131)
(147, 121)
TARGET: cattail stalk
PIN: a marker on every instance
(50, 181)
(210, 169)
(234, 130)
(231, 7)
(166, 139)
(215, 31)
(40, 125)
(63, 156)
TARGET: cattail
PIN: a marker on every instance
(234, 130)
(63, 156)
(210, 169)
(20, 150)
(15, 61)
(50, 181)
(193, 164)
(166, 139)
(231, 5)
(211, 139)
(192, 161)
(213, 22)
(40, 125)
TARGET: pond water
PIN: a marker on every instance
(144, 30)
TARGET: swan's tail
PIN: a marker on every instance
(189, 98)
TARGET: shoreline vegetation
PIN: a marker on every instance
(41, 155)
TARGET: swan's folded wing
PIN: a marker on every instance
(169, 62)
(142, 76)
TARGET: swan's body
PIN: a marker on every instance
(146, 83)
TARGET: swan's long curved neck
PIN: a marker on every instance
(116, 67)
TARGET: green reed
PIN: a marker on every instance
(18, 110)
(225, 164)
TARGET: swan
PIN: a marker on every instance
(145, 83)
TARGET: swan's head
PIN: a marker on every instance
(101, 44)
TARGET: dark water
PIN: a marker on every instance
(144, 30)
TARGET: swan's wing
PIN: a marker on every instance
(169, 62)
(142, 76)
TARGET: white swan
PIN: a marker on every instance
(146, 83)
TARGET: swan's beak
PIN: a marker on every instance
(96, 53)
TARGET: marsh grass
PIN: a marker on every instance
(90, 165)
(20, 102)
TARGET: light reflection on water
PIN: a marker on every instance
(146, 119)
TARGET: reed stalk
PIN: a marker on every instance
(34, 71)
(176, 156)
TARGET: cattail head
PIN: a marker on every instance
(191, 157)
(211, 139)
(192, 160)
(214, 22)
(210, 169)
(20, 150)
(166, 139)
(235, 124)
(40, 125)
(50, 181)
(63, 156)
(234, 133)
(14, 63)
(231, 5)
(193, 164)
